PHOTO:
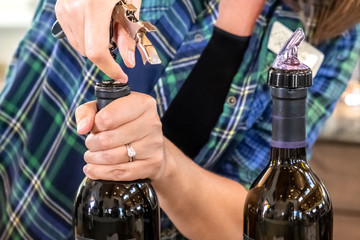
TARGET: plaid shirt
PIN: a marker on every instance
(41, 154)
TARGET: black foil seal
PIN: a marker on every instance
(108, 91)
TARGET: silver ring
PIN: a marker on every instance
(130, 152)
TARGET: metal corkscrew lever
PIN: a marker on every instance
(125, 14)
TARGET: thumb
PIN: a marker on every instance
(85, 116)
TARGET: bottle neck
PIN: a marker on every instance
(288, 113)
(288, 125)
(108, 91)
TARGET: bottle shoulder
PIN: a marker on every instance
(110, 196)
(286, 190)
(116, 210)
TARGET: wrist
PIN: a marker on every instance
(169, 169)
(174, 179)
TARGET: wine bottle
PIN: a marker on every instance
(288, 201)
(110, 210)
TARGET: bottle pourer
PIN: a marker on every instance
(287, 58)
(287, 71)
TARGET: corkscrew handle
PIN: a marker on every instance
(57, 31)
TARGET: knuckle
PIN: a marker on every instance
(90, 172)
(94, 54)
(87, 141)
(59, 9)
(118, 172)
(157, 125)
(158, 159)
(87, 156)
(150, 102)
(91, 4)
(157, 141)
(78, 111)
(82, 52)
(108, 157)
(104, 139)
(160, 142)
(103, 120)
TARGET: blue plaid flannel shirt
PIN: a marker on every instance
(41, 155)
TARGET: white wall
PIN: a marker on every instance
(15, 18)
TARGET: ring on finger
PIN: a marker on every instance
(130, 152)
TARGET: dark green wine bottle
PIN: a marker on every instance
(110, 210)
(288, 201)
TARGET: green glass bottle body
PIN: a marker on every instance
(288, 201)
(113, 210)
(106, 210)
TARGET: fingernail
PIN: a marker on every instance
(82, 124)
(131, 57)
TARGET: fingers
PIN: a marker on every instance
(119, 168)
(119, 154)
(124, 110)
(126, 47)
(86, 25)
(132, 119)
(137, 4)
(84, 116)
(73, 32)
(121, 172)
(107, 157)
(117, 113)
(97, 19)
(104, 140)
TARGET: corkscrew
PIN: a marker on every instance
(125, 14)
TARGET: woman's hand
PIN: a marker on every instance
(132, 119)
(86, 26)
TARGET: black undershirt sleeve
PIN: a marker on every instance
(196, 108)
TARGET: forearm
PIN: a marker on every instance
(201, 204)
(239, 16)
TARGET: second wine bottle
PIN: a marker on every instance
(288, 201)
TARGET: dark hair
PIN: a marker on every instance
(324, 19)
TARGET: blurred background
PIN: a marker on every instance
(336, 155)
(15, 19)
